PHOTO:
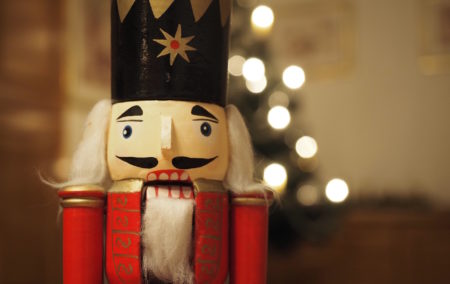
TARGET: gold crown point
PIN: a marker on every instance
(124, 7)
(159, 7)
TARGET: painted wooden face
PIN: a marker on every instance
(167, 141)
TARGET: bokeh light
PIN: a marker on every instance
(279, 117)
(262, 17)
(337, 190)
(275, 176)
(256, 87)
(253, 69)
(307, 195)
(235, 64)
(306, 147)
(293, 77)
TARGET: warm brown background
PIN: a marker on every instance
(370, 245)
(30, 99)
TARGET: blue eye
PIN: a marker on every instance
(205, 128)
(126, 132)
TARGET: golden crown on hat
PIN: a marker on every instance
(159, 7)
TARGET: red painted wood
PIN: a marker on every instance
(211, 237)
(248, 242)
(123, 226)
(267, 195)
(82, 245)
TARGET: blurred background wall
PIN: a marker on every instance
(31, 96)
(375, 100)
(384, 124)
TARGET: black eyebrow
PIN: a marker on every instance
(132, 111)
(201, 111)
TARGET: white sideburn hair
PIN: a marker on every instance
(239, 177)
(167, 239)
(89, 160)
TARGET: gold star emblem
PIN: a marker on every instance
(176, 45)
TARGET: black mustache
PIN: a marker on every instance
(189, 163)
(146, 162)
(178, 162)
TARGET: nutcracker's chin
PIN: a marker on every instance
(167, 230)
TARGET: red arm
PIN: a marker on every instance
(248, 238)
(83, 211)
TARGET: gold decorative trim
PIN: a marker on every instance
(79, 202)
(203, 185)
(206, 261)
(128, 185)
(252, 201)
(125, 232)
(211, 237)
(159, 7)
(199, 8)
(126, 255)
(126, 210)
(83, 188)
(124, 7)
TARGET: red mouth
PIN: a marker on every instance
(170, 184)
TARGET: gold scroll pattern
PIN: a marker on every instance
(124, 219)
(209, 236)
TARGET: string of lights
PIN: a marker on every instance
(287, 154)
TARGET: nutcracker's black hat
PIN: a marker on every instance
(170, 50)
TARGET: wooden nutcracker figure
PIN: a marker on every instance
(181, 204)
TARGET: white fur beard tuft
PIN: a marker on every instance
(167, 239)
(89, 160)
(239, 177)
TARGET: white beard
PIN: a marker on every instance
(167, 239)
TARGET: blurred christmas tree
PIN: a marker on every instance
(285, 154)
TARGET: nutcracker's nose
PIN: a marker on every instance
(166, 133)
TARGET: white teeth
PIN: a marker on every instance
(175, 191)
(151, 192)
(184, 176)
(163, 176)
(151, 176)
(174, 176)
(187, 192)
(163, 191)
